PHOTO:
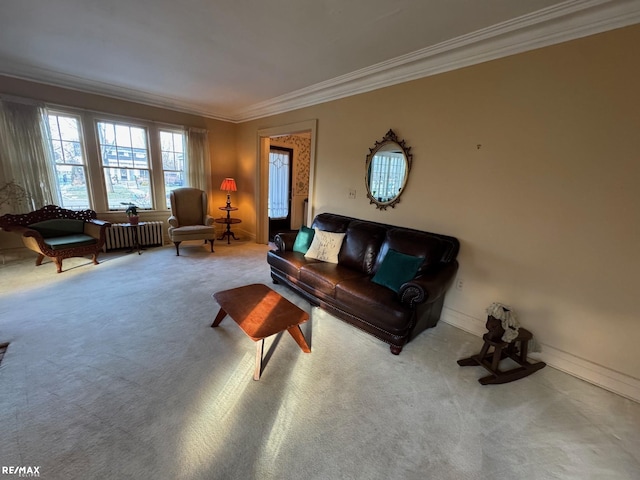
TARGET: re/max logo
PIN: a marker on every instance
(21, 471)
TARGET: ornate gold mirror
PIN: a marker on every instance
(388, 166)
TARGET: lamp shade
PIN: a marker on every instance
(228, 185)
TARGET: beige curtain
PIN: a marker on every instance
(198, 163)
(25, 159)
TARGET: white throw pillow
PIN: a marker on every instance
(325, 246)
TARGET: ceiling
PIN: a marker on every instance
(238, 60)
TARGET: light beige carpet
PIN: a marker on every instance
(113, 372)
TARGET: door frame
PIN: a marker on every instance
(262, 172)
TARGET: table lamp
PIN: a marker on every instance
(228, 185)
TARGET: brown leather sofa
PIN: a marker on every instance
(345, 289)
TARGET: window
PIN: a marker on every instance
(172, 148)
(279, 183)
(105, 162)
(125, 162)
(68, 153)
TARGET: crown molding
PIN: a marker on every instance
(96, 87)
(556, 24)
(559, 23)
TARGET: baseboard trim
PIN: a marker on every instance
(614, 381)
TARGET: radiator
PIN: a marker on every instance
(122, 237)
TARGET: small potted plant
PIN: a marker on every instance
(132, 213)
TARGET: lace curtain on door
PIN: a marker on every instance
(278, 184)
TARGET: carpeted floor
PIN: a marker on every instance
(113, 372)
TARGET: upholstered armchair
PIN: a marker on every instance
(189, 219)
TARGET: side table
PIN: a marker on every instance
(228, 233)
(136, 240)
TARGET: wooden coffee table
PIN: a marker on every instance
(260, 312)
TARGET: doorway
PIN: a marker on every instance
(265, 137)
(279, 204)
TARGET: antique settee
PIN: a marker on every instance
(58, 233)
(366, 287)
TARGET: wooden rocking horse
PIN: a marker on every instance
(514, 345)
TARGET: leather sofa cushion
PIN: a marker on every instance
(288, 262)
(377, 305)
(414, 243)
(323, 276)
(361, 245)
(331, 223)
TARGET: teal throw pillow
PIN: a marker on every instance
(397, 268)
(303, 239)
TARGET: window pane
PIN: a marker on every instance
(73, 187)
(126, 161)
(168, 162)
(106, 133)
(57, 151)
(278, 204)
(173, 180)
(140, 159)
(68, 154)
(178, 142)
(53, 127)
(123, 136)
(138, 138)
(72, 152)
(166, 141)
(69, 129)
(172, 148)
(127, 185)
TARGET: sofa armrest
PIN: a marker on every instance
(100, 223)
(31, 238)
(20, 230)
(429, 286)
(284, 241)
(95, 227)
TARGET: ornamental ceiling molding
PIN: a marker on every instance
(553, 25)
(556, 24)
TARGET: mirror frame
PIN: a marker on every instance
(388, 139)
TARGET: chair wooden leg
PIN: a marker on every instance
(58, 262)
(177, 244)
(39, 260)
(211, 242)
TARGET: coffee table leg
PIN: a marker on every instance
(297, 335)
(258, 370)
(219, 317)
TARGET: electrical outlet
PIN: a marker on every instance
(352, 193)
(459, 284)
